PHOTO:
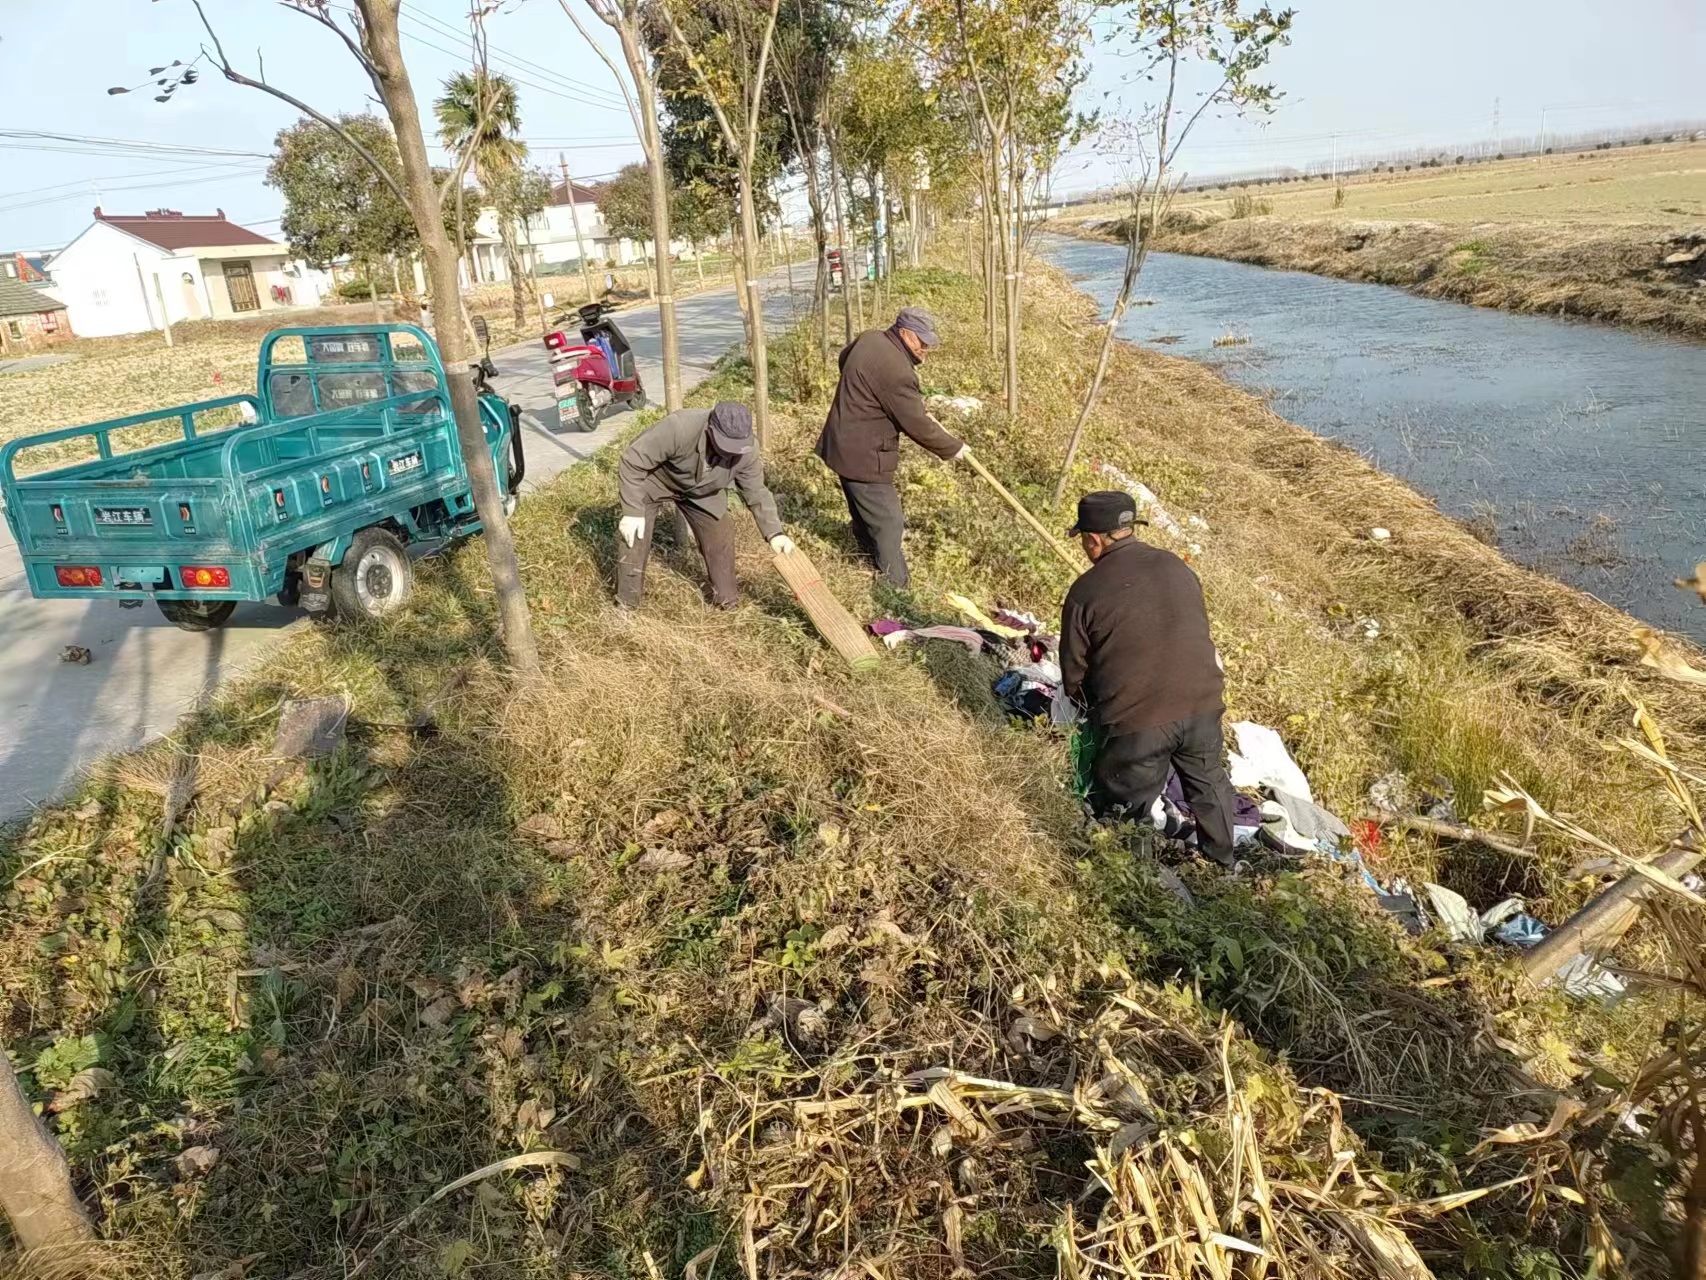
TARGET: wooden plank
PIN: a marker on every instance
(831, 619)
(1598, 926)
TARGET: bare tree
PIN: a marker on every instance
(1171, 33)
(372, 39)
(744, 84)
(623, 17)
(35, 1182)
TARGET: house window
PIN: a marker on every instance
(16, 329)
(50, 322)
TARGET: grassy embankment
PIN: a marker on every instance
(697, 871)
(1583, 235)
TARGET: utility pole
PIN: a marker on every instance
(575, 217)
(1498, 135)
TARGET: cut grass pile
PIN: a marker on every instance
(821, 972)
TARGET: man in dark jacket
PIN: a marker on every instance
(691, 458)
(1135, 649)
(876, 400)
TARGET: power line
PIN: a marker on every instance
(35, 139)
(577, 98)
(503, 55)
(138, 186)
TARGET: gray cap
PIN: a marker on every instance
(731, 427)
(920, 322)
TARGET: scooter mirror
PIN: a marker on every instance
(482, 330)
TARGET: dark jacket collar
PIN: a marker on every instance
(1117, 548)
(893, 335)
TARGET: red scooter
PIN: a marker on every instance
(596, 372)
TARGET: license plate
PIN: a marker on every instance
(401, 466)
(130, 517)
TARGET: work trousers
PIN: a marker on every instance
(1131, 771)
(877, 525)
(716, 539)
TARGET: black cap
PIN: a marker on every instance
(1105, 511)
(918, 321)
(731, 427)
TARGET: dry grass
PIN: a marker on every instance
(1663, 185)
(667, 913)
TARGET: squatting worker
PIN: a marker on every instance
(690, 458)
(1135, 649)
(877, 399)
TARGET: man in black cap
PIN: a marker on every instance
(876, 400)
(1135, 649)
(690, 458)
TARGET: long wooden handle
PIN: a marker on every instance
(1066, 556)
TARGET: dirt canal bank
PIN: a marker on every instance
(1569, 446)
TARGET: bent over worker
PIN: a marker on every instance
(691, 458)
(1135, 649)
(876, 400)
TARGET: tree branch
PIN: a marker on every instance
(237, 77)
(320, 12)
(758, 88)
(735, 147)
(622, 84)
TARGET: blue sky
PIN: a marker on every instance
(1366, 75)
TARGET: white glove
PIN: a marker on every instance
(962, 455)
(630, 527)
(782, 544)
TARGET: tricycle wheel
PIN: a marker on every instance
(374, 578)
(584, 411)
(197, 615)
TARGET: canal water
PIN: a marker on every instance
(1580, 448)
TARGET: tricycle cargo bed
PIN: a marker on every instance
(356, 435)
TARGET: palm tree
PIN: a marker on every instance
(479, 122)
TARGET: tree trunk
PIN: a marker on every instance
(841, 242)
(575, 219)
(517, 294)
(385, 49)
(35, 1181)
(755, 338)
(652, 141)
(1134, 254)
(368, 270)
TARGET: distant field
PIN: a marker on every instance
(1660, 185)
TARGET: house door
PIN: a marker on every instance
(240, 284)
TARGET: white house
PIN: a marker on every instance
(127, 271)
(549, 238)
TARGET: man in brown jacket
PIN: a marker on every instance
(1135, 649)
(876, 400)
(691, 458)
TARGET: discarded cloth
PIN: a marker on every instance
(887, 627)
(1461, 922)
(960, 635)
(1261, 760)
(1310, 820)
(982, 619)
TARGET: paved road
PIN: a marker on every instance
(56, 719)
